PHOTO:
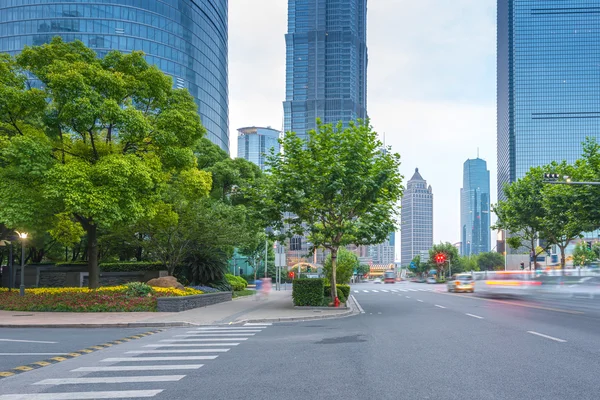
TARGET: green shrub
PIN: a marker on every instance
(237, 282)
(223, 286)
(344, 288)
(127, 266)
(138, 289)
(347, 262)
(308, 292)
(340, 295)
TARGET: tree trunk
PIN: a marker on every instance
(562, 258)
(334, 253)
(92, 252)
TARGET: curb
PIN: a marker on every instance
(115, 325)
(87, 350)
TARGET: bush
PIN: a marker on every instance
(222, 286)
(127, 266)
(344, 288)
(237, 282)
(138, 289)
(308, 292)
(341, 296)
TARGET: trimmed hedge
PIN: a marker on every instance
(340, 295)
(237, 282)
(344, 288)
(132, 266)
(308, 292)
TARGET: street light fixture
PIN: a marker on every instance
(23, 237)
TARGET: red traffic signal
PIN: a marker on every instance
(440, 258)
(291, 275)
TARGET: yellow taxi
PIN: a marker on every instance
(461, 283)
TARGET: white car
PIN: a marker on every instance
(377, 280)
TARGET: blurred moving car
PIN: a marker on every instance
(586, 287)
(390, 276)
(431, 280)
(377, 280)
(461, 283)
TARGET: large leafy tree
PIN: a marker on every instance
(451, 255)
(490, 261)
(108, 135)
(522, 214)
(347, 263)
(339, 186)
(583, 255)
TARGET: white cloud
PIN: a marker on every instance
(431, 83)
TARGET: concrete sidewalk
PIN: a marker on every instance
(277, 307)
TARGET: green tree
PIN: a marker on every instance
(583, 255)
(347, 262)
(363, 269)
(338, 186)
(522, 215)
(109, 134)
(420, 267)
(451, 255)
(489, 261)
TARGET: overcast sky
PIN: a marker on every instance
(431, 86)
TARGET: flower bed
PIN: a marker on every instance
(112, 298)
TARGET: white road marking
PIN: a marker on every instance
(31, 354)
(408, 297)
(375, 291)
(547, 337)
(413, 290)
(437, 305)
(394, 290)
(186, 340)
(258, 324)
(356, 291)
(403, 290)
(26, 341)
(198, 334)
(474, 316)
(194, 344)
(366, 291)
(420, 301)
(222, 328)
(228, 332)
(119, 394)
(180, 358)
(385, 291)
(422, 290)
(358, 305)
(112, 379)
(186, 351)
(138, 368)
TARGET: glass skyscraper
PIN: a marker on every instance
(416, 219)
(186, 39)
(548, 82)
(255, 144)
(326, 63)
(475, 208)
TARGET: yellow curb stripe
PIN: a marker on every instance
(87, 351)
(74, 354)
(59, 358)
(6, 373)
(23, 368)
(42, 363)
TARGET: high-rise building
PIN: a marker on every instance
(255, 144)
(475, 208)
(416, 219)
(326, 63)
(548, 59)
(186, 39)
(384, 253)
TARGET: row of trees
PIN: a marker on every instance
(101, 157)
(553, 214)
(488, 261)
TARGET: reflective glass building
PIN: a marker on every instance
(416, 219)
(255, 144)
(326, 63)
(475, 208)
(186, 39)
(548, 82)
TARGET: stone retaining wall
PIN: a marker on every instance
(176, 304)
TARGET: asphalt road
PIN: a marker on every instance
(413, 341)
(23, 346)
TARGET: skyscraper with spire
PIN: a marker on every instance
(475, 208)
(416, 219)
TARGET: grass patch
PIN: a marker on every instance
(245, 292)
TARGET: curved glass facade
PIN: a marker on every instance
(186, 39)
(255, 144)
(548, 82)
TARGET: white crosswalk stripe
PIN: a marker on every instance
(118, 394)
(258, 324)
(356, 291)
(112, 379)
(385, 291)
(166, 367)
(394, 290)
(375, 291)
(366, 291)
(145, 359)
(180, 351)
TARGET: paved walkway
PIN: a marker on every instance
(277, 307)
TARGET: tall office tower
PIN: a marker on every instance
(384, 253)
(326, 63)
(548, 60)
(416, 219)
(255, 144)
(186, 39)
(475, 208)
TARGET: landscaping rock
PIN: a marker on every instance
(166, 282)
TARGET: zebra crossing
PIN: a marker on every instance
(134, 366)
(395, 290)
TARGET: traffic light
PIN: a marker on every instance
(522, 265)
(589, 245)
(291, 274)
(440, 258)
(551, 176)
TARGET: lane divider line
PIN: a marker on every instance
(420, 301)
(437, 305)
(357, 304)
(547, 337)
(474, 316)
(63, 357)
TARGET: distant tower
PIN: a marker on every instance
(417, 219)
(475, 208)
(255, 144)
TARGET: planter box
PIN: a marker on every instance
(177, 304)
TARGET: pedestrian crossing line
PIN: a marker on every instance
(185, 344)
(232, 332)
(403, 290)
(197, 334)
(366, 291)
(394, 290)
(385, 291)
(142, 359)
(138, 368)
(214, 344)
(180, 340)
(112, 379)
(356, 291)
(412, 290)
(375, 291)
(258, 324)
(223, 328)
(186, 351)
(119, 394)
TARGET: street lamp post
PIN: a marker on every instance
(23, 236)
